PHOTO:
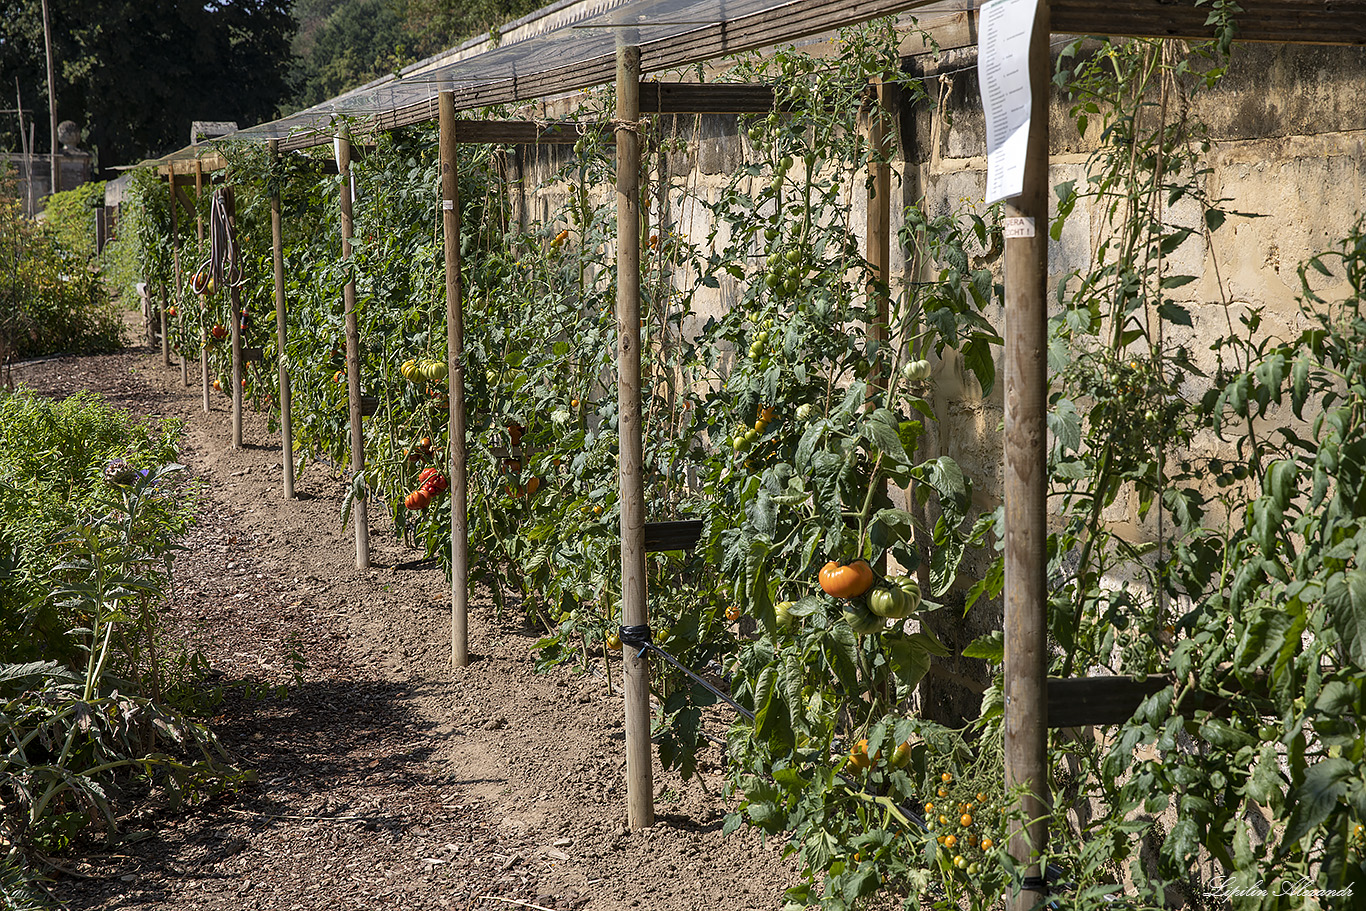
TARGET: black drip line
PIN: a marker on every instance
(641, 636)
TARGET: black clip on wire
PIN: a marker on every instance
(638, 635)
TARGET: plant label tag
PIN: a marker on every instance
(448, 205)
(1019, 227)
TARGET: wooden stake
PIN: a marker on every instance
(640, 810)
(358, 513)
(198, 192)
(175, 264)
(235, 308)
(165, 334)
(277, 246)
(455, 359)
(1026, 482)
(879, 233)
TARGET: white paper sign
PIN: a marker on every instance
(1019, 227)
(1003, 71)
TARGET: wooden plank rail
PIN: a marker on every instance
(1080, 701)
(678, 535)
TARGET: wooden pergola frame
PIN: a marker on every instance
(1027, 689)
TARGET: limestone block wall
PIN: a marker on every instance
(1286, 131)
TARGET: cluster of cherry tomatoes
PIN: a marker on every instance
(433, 484)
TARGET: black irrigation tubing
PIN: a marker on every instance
(641, 636)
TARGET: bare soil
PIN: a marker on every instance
(385, 779)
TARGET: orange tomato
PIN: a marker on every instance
(846, 580)
(858, 756)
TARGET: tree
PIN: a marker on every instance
(133, 74)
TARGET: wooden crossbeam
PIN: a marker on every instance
(1078, 701)
(680, 535)
(1081, 701)
(705, 98)
(1277, 21)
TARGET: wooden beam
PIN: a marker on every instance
(679, 535)
(455, 362)
(640, 810)
(1079, 701)
(705, 98)
(1276, 21)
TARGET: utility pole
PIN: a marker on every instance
(51, 100)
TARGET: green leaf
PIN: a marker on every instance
(1325, 783)
(991, 647)
(1173, 312)
(1064, 422)
(861, 882)
(882, 431)
(929, 642)
(1345, 597)
(910, 663)
(1299, 390)
(977, 357)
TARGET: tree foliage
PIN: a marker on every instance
(134, 74)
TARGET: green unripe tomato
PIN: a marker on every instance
(888, 602)
(791, 286)
(782, 613)
(770, 233)
(916, 371)
(750, 436)
(773, 280)
(911, 590)
(793, 255)
(861, 620)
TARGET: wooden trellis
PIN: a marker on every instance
(1028, 693)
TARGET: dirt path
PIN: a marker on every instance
(385, 779)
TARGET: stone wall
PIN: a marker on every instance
(1286, 126)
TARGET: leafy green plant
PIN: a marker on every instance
(50, 300)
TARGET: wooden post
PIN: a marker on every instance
(358, 511)
(455, 359)
(198, 191)
(1026, 483)
(277, 245)
(878, 233)
(235, 314)
(165, 334)
(175, 268)
(640, 810)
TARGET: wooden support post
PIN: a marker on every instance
(277, 246)
(455, 359)
(175, 268)
(164, 297)
(204, 370)
(878, 233)
(1026, 483)
(640, 810)
(358, 512)
(235, 314)
(198, 191)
